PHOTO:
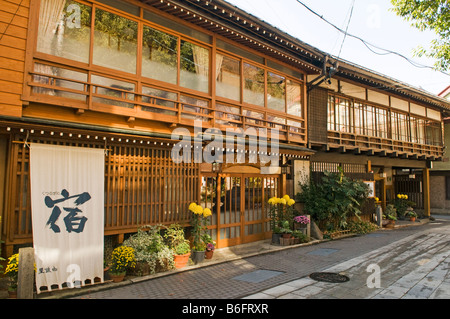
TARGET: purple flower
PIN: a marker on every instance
(302, 219)
(210, 246)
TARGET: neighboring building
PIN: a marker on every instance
(440, 174)
(124, 75)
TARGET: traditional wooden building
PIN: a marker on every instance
(126, 75)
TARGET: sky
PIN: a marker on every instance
(370, 20)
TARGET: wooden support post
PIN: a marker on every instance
(426, 191)
(25, 281)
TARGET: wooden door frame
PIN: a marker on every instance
(266, 233)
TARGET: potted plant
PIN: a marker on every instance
(412, 215)
(210, 246)
(209, 250)
(12, 270)
(281, 209)
(301, 222)
(152, 253)
(390, 216)
(299, 237)
(122, 258)
(179, 245)
(286, 233)
(199, 223)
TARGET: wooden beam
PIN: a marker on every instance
(426, 191)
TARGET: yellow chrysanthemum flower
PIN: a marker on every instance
(286, 197)
(291, 202)
(198, 210)
(282, 201)
(207, 212)
(192, 207)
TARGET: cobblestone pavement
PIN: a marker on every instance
(413, 263)
(415, 267)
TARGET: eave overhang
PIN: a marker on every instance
(235, 24)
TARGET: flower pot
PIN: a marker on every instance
(117, 277)
(276, 239)
(12, 294)
(181, 261)
(142, 269)
(209, 254)
(390, 224)
(198, 256)
(286, 235)
(412, 219)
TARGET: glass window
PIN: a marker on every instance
(413, 125)
(294, 98)
(195, 108)
(433, 133)
(359, 118)
(276, 92)
(399, 127)
(225, 113)
(115, 41)
(194, 73)
(228, 77)
(331, 113)
(344, 116)
(65, 78)
(370, 121)
(64, 29)
(253, 85)
(381, 123)
(159, 97)
(159, 55)
(112, 91)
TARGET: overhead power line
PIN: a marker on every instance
(370, 45)
(346, 29)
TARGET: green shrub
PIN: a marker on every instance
(336, 197)
(149, 247)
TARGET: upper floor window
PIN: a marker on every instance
(115, 41)
(64, 29)
(339, 114)
(228, 77)
(346, 115)
(159, 55)
(107, 41)
(194, 66)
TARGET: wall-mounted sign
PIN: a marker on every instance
(371, 185)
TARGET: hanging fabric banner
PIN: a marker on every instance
(67, 205)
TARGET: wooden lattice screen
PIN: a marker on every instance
(143, 186)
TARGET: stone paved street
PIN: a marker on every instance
(415, 267)
(413, 263)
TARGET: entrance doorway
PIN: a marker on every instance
(239, 206)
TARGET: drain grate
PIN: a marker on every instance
(329, 277)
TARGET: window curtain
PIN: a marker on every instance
(50, 16)
(219, 61)
(50, 24)
(201, 60)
